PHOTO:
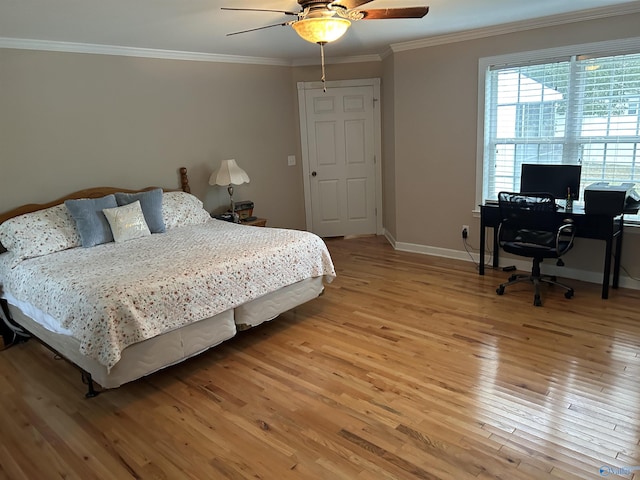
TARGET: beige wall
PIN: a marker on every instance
(389, 217)
(70, 121)
(436, 99)
(337, 71)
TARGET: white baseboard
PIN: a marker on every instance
(523, 265)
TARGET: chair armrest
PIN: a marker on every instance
(567, 228)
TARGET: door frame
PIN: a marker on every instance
(377, 129)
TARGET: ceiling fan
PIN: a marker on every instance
(322, 21)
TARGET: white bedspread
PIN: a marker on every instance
(113, 295)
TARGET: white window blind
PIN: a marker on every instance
(573, 110)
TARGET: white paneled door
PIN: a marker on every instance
(341, 148)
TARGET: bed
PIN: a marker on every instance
(170, 283)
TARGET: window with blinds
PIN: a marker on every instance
(581, 109)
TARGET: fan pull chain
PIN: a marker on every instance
(324, 85)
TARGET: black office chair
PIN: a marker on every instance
(531, 227)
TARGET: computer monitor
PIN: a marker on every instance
(558, 180)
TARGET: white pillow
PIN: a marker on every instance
(39, 233)
(180, 209)
(127, 222)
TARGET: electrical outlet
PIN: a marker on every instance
(465, 231)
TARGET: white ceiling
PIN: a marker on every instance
(201, 26)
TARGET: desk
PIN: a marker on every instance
(599, 227)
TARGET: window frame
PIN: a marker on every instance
(605, 48)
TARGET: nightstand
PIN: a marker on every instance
(258, 222)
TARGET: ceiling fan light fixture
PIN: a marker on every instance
(321, 30)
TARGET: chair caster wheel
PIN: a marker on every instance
(568, 294)
(536, 301)
(500, 290)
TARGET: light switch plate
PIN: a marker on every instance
(291, 160)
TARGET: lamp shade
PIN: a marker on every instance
(321, 30)
(229, 173)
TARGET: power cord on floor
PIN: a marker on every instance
(470, 248)
(629, 275)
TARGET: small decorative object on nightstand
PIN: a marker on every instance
(254, 221)
(244, 209)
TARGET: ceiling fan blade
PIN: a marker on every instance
(260, 28)
(349, 4)
(260, 10)
(383, 13)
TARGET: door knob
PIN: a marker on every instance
(313, 174)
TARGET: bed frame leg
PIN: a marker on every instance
(91, 392)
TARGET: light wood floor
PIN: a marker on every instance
(408, 366)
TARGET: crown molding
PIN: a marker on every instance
(95, 49)
(337, 60)
(388, 52)
(551, 21)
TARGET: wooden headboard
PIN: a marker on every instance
(94, 192)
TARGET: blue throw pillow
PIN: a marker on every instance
(151, 204)
(91, 223)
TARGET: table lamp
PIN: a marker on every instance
(228, 175)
